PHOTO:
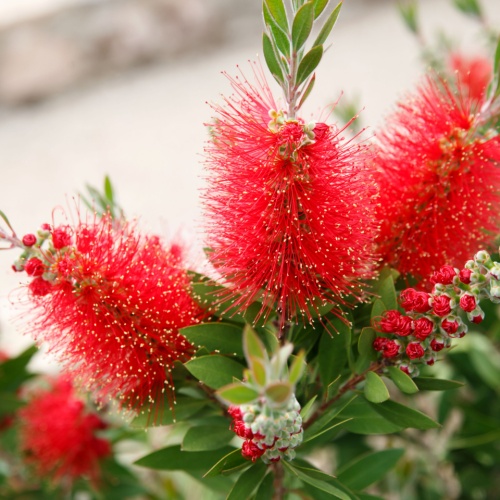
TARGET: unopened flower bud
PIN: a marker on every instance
(29, 240)
(482, 257)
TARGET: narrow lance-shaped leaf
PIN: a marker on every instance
(319, 7)
(309, 63)
(297, 368)
(271, 59)
(328, 26)
(302, 25)
(307, 91)
(278, 11)
(258, 369)
(279, 37)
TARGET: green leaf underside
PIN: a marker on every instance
(206, 437)
(174, 458)
(279, 392)
(369, 469)
(214, 370)
(259, 370)
(404, 416)
(248, 482)
(375, 390)
(223, 338)
(403, 381)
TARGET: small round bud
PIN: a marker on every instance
(29, 240)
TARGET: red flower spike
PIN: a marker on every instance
(114, 312)
(282, 210)
(251, 451)
(473, 74)
(440, 182)
(61, 237)
(58, 435)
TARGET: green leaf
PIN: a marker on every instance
(224, 338)
(237, 394)
(403, 381)
(378, 309)
(307, 408)
(279, 392)
(387, 293)
(9, 403)
(206, 437)
(108, 189)
(174, 458)
(302, 25)
(328, 26)
(305, 476)
(232, 461)
(279, 37)
(252, 345)
(332, 352)
(309, 63)
(365, 420)
(297, 368)
(369, 469)
(13, 371)
(215, 370)
(184, 408)
(319, 7)
(436, 384)
(307, 91)
(375, 390)
(248, 482)
(271, 58)
(404, 416)
(278, 11)
(258, 369)
(326, 430)
(266, 488)
(365, 349)
(470, 7)
(408, 12)
(6, 220)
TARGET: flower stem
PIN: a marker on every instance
(279, 489)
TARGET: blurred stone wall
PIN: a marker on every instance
(44, 54)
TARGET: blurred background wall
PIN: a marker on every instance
(119, 87)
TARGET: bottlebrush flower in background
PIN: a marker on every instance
(58, 435)
(288, 205)
(439, 181)
(110, 302)
(473, 74)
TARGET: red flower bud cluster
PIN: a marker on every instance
(431, 320)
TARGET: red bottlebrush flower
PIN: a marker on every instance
(441, 305)
(444, 276)
(423, 328)
(34, 267)
(283, 205)
(439, 182)
(412, 300)
(39, 287)
(61, 237)
(473, 74)
(414, 350)
(113, 311)
(468, 302)
(57, 434)
(251, 451)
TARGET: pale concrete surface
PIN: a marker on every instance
(145, 128)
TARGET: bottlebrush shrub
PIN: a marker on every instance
(308, 338)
